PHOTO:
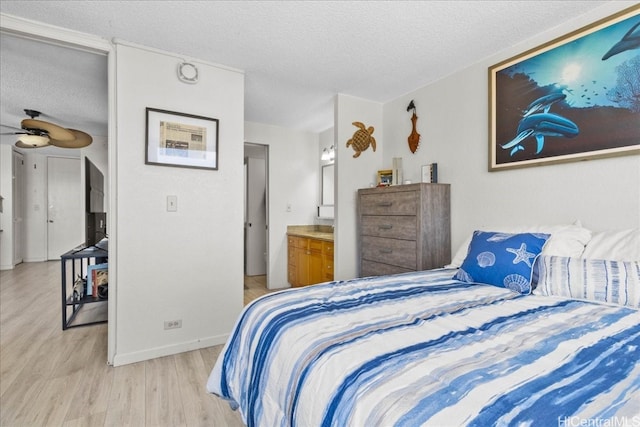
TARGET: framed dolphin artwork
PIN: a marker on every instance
(574, 98)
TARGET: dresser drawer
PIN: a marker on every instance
(396, 227)
(397, 203)
(401, 253)
(327, 249)
(370, 268)
(314, 245)
(298, 242)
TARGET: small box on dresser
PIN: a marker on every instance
(404, 228)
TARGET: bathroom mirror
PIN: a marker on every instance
(327, 185)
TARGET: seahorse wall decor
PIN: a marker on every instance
(362, 139)
(414, 138)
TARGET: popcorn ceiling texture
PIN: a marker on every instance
(296, 54)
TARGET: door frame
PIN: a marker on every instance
(265, 148)
(45, 33)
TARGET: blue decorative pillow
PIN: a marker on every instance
(502, 259)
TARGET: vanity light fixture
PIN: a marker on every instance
(328, 154)
(188, 73)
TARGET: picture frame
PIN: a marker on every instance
(385, 178)
(181, 140)
(574, 98)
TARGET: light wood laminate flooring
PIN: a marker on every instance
(51, 377)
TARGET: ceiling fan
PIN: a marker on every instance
(38, 133)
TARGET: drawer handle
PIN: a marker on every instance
(385, 227)
(386, 251)
(385, 204)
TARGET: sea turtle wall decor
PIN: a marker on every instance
(362, 139)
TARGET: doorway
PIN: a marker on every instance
(60, 45)
(256, 229)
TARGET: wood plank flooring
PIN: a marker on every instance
(51, 377)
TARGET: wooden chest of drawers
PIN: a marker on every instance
(404, 228)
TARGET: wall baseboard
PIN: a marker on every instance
(153, 353)
(36, 260)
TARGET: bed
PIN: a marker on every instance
(451, 346)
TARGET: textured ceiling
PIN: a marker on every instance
(296, 55)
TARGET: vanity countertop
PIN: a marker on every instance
(321, 232)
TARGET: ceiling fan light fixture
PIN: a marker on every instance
(38, 133)
(54, 131)
(34, 140)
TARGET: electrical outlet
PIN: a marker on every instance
(173, 324)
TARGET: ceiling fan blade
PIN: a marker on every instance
(55, 132)
(13, 127)
(81, 140)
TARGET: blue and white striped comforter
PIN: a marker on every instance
(422, 349)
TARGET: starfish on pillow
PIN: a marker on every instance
(522, 255)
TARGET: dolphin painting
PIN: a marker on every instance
(541, 125)
(629, 41)
(543, 103)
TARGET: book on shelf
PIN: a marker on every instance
(430, 173)
(97, 274)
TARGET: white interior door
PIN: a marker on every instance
(65, 214)
(256, 218)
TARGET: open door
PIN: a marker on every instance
(256, 215)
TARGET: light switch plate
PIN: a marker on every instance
(172, 203)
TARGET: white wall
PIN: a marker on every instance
(175, 265)
(453, 123)
(293, 178)
(352, 174)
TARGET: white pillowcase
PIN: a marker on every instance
(608, 281)
(619, 245)
(566, 240)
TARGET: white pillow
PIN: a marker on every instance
(619, 245)
(566, 240)
(608, 281)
